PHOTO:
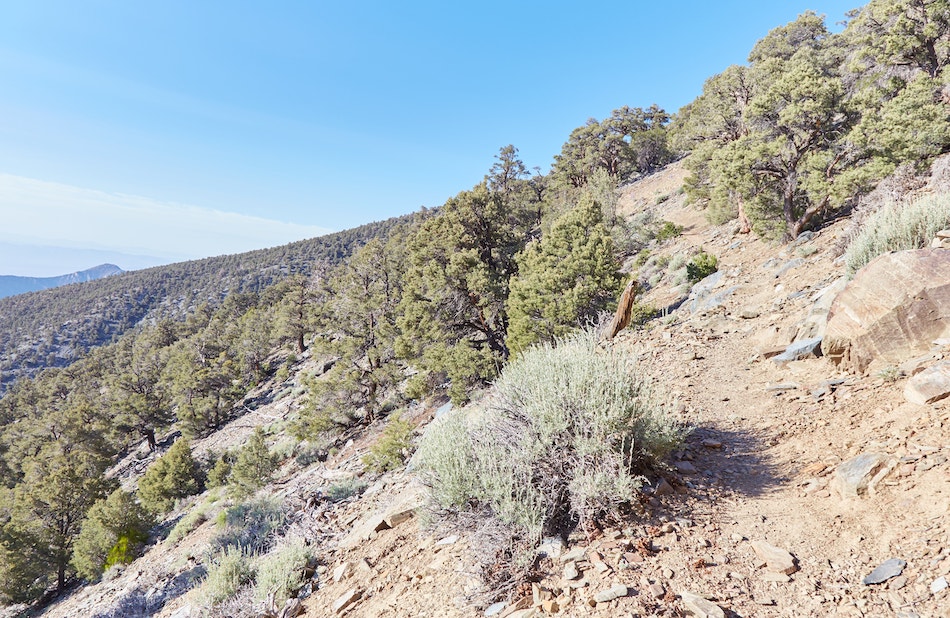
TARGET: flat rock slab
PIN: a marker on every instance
(799, 350)
(930, 385)
(614, 592)
(700, 607)
(348, 598)
(892, 310)
(776, 559)
(853, 476)
(888, 569)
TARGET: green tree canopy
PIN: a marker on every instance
(564, 279)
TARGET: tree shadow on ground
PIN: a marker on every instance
(714, 464)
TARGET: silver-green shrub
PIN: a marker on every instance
(898, 226)
(252, 525)
(281, 572)
(228, 571)
(558, 441)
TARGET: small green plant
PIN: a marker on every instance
(640, 314)
(701, 266)
(392, 448)
(281, 572)
(890, 374)
(661, 198)
(341, 490)
(898, 226)
(188, 524)
(668, 230)
(228, 571)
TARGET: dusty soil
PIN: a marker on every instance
(759, 465)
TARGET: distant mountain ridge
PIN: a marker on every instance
(11, 285)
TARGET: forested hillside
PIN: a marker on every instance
(438, 304)
(53, 328)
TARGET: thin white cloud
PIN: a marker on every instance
(39, 212)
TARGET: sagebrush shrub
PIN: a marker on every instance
(251, 525)
(898, 226)
(228, 571)
(558, 442)
(281, 572)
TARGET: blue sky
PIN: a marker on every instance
(174, 130)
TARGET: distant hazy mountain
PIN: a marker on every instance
(11, 285)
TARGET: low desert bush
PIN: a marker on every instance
(701, 266)
(898, 226)
(668, 230)
(229, 571)
(281, 572)
(392, 448)
(251, 526)
(341, 490)
(558, 442)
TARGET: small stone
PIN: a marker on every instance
(938, 585)
(348, 598)
(897, 583)
(663, 488)
(657, 591)
(614, 592)
(570, 571)
(685, 467)
(700, 607)
(449, 540)
(342, 571)
(779, 578)
(808, 348)
(574, 555)
(713, 444)
(494, 609)
(853, 476)
(775, 558)
(551, 547)
(888, 569)
(550, 606)
(763, 600)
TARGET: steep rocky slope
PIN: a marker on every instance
(749, 519)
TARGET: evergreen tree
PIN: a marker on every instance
(564, 280)
(253, 466)
(452, 316)
(175, 475)
(114, 531)
(45, 512)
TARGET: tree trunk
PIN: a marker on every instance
(149, 435)
(624, 309)
(744, 226)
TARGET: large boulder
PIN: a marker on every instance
(893, 309)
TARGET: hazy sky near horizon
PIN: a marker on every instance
(182, 129)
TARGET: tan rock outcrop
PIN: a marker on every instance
(892, 310)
